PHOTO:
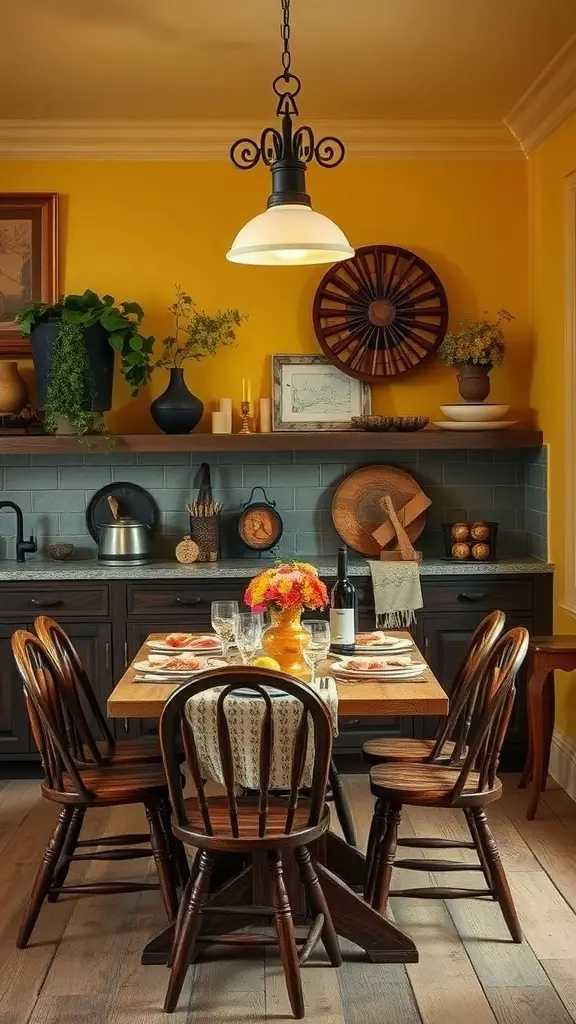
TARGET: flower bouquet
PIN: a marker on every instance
(285, 590)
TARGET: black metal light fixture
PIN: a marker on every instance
(290, 231)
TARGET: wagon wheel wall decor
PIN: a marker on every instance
(380, 313)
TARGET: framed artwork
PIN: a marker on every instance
(310, 394)
(28, 260)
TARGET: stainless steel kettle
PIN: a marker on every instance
(124, 541)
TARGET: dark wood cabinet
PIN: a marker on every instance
(109, 622)
(14, 728)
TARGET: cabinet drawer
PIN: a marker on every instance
(483, 593)
(175, 601)
(54, 599)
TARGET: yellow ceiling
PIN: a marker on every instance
(215, 59)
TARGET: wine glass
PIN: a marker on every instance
(248, 634)
(316, 650)
(223, 614)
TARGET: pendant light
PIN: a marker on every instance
(290, 232)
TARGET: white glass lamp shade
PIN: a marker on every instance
(289, 234)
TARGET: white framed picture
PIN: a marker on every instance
(309, 393)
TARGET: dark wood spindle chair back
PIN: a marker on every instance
(456, 725)
(75, 680)
(495, 694)
(59, 728)
(314, 719)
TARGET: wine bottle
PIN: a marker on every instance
(342, 609)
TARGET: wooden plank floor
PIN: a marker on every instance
(83, 964)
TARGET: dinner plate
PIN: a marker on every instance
(161, 647)
(145, 667)
(402, 645)
(406, 672)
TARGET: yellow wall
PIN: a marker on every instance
(547, 170)
(134, 229)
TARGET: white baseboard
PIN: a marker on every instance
(563, 762)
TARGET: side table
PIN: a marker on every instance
(545, 655)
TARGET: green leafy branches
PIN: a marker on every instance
(478, 342)
(197, 333)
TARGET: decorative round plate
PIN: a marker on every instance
(357, 506)
(380, 313)
(260, 525)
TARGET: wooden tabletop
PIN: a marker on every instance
(360, 698)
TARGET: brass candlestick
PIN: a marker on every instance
(246, 418)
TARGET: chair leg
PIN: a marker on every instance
(44, 876)
(377, 830)
(189, 926)
(162, 860)
(343, 812)
(384, 859)
(285, 933)
(70, 842)
(318, 904)
(479, 848)
(175, 846)
(501, 887)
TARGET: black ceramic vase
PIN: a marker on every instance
(177, 410)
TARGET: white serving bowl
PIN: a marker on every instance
(470, 413)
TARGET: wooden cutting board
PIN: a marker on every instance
(357, 510)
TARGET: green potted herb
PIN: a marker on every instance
(475, 349)
(73, 346)
(196, 334)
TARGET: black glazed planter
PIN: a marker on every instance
(177, 410)
(100, 358)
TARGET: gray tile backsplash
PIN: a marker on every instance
(507, 486)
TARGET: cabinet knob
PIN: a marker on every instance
(479, 596)
(188, 601)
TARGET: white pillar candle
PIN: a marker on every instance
(219, 423)
(225, 406)
(265, 416)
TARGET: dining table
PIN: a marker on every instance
(341, 867)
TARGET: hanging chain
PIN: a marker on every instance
(285, 34)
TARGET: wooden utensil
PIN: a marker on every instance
(405, 551)
(113, 505)
(414, 508)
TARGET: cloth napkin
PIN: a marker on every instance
(244, 715)
(397, 593)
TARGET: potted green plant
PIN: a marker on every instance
(475, 349)
(73, 346)
(196, 334)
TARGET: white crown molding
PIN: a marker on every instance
(197, 140)
(548, 103)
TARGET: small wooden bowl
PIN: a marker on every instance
(406, 423)
(379, 423)
(60, 552)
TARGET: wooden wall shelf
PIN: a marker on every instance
(350, 440)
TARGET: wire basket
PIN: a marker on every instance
(205, 519)
(470, 542)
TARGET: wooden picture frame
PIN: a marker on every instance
(339, 397)
(28, 261)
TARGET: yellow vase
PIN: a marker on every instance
(284, 640)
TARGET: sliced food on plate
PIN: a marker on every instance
(185, 642)
(377, 640)
(392, 666)
(180, 664)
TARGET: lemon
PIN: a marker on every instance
(265, 662)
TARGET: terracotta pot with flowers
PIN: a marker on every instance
(475, 349)
(285, 590)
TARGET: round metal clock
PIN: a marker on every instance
(260, 526)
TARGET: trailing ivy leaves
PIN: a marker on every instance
(122, 324)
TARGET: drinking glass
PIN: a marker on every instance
(317, 649)
(223, 614)
(248, 634)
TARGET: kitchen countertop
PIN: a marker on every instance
(90, 569)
